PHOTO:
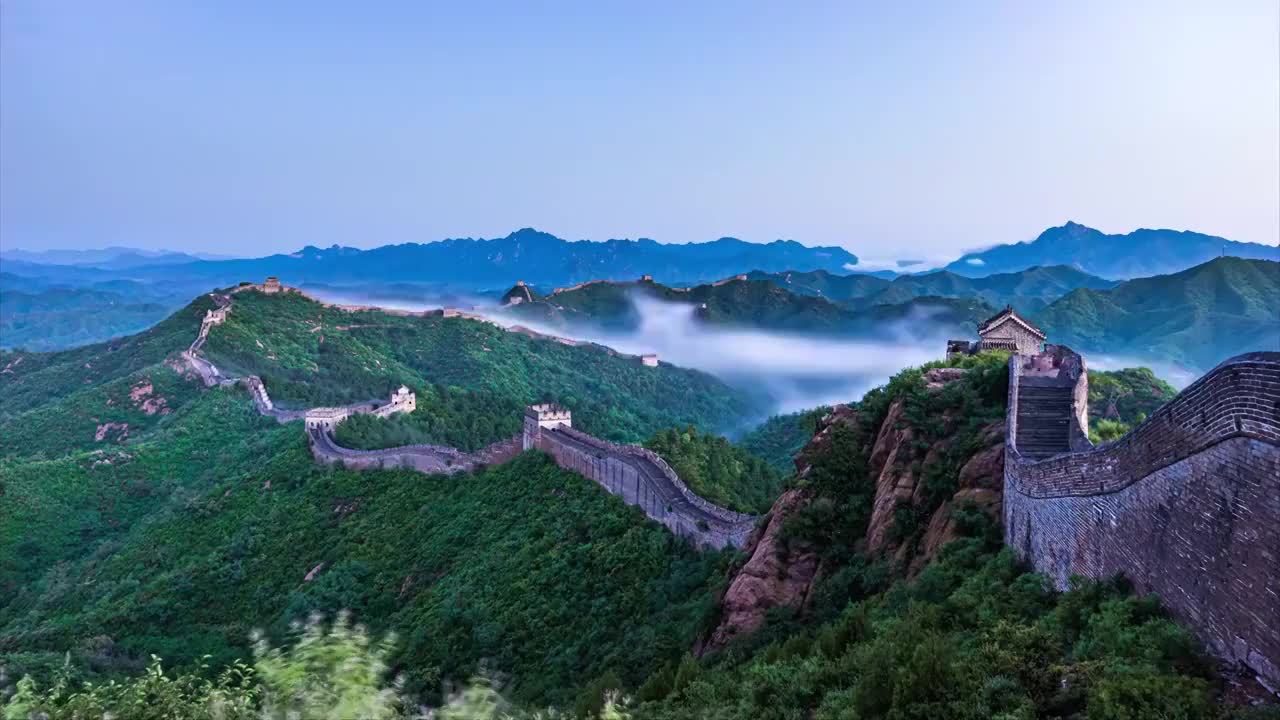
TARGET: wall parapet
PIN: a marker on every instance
(723, 514)
(621, 469)
(1186, 505)
(1236, 399)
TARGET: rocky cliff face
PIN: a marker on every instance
(777, 574)
(782, 571)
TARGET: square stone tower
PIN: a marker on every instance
(548, 416)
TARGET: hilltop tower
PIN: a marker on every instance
(272, 285)
(402, 400)
(546, 416)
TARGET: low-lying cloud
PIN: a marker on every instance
(794, 372)
(788, 371)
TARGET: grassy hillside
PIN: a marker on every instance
(1198, 317)
(309, 355)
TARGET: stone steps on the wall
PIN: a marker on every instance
(1044, 413)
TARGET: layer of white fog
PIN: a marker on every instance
(790, 372)
(795, 372)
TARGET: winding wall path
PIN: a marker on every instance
(1186, 505)
(636, 475)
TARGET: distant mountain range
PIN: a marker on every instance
(750, 303)
(1197, 317)
(1028, 289)
(112, 258)
(527, 254)
(1141, 253)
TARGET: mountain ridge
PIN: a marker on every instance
(1140, 253)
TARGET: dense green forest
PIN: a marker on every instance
(452, 416)
(717, 470)
(204, 523)
(309, 355)
(1121, 399)
(528, 567)
(778, 439)
(974, 637)
(1198, 317)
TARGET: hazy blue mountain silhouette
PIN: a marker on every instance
(528, 254)
(1141, 253)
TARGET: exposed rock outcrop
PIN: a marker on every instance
(783, 571)
(778, 574)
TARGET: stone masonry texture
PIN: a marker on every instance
(1186, 506)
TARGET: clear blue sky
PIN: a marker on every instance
(894, 129)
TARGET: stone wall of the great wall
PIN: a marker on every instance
(633, 473)
(641, 478)
(1187, 506)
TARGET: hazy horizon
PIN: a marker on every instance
(895, 132)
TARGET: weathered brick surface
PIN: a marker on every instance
(1187, 506)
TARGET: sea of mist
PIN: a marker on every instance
(785, 372)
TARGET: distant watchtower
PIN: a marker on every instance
(547, 416)
(402, 400)
(272, 285)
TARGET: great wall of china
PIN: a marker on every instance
(636, 475)
(1186, 505)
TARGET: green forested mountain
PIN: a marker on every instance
(206, 522)
(1198, 317)
(1028, 289)
(42, 314)
(146, 514)
(824, 283)
(760, 304)
(308, 354)
(737, 302)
